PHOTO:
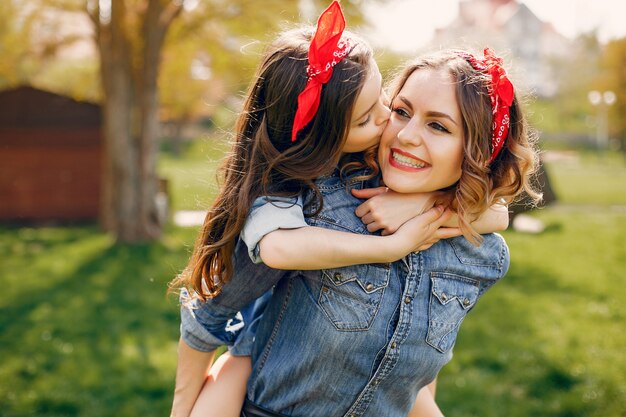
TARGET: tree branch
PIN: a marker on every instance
(170, 12)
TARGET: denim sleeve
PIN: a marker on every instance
(268, 215)
(205, 325)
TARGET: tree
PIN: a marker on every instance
(129, 37)
(613, 77)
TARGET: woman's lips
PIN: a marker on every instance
(406, 162)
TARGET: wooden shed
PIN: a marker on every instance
(50, 157)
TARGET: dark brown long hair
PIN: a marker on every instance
(482, 184)
(263, 160)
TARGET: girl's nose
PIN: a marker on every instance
(383, 115)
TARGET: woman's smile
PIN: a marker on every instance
(406, 161)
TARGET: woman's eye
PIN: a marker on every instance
(366, 121)
(401, 112)
(439, 127)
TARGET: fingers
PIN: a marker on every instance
(368, 192)
(441, 233)
(425, 246)
(367, 218)
(447, 233)
(435, 216)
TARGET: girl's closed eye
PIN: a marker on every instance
(366, 121)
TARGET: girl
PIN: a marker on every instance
(330, 189)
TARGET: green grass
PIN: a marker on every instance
(590, 179)
(549, 339)
(192, 177)
(86, 328)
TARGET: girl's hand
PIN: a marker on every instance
(387, 210)
(423, 231)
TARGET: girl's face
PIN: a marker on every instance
(421, 148)
(371, 112)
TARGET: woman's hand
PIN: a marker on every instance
(387, 210)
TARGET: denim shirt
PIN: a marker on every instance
(353, 341)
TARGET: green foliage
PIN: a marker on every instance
(228, 38)
(17, 64)
(85, 82)
(568, 111)
(615, 80)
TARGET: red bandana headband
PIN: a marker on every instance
(325, 52)
(501, 94)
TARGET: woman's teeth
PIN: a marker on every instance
(406, 161)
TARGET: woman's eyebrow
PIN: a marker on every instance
(405, 101)
(440, 114)
(430, 113)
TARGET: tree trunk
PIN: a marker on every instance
(153, 37)
(130, 117)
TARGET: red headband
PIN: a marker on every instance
(325, 52)
(501, 94)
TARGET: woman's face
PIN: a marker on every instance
(421, 148)
(370, 114)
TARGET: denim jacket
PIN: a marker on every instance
(353, 341)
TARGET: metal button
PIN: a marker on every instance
(407, 300)
(369, 286)
(444, 297)
(337, 276)
(393, 345)
(324, 289)
(466, 302)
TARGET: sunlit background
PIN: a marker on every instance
(114, 115)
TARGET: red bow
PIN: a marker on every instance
(325, 52)
(501, 93)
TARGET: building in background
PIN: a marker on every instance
(50, 157)
(512, 30)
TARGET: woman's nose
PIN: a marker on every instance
(410, 134)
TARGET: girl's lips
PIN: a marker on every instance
(404, 161)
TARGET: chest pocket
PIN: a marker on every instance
(351, 296)
(451, 297)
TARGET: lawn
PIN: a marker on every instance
(86, 327)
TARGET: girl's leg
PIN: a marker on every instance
(224, 391)
(425, 405)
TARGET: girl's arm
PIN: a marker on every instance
(495, 219)
(310, 248)
(191, 373)
(387, 210)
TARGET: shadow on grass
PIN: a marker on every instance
(512, 359)
(100, 342)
